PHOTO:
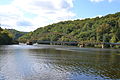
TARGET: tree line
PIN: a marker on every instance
(99, 29)
(5, 37)
(10, 36)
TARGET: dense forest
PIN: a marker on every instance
(99, 29)
(5, 37)
(10, 36)
(16, 34)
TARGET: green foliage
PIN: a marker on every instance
(5, 37)
(16, 34)
(25, 37)
(99, 29)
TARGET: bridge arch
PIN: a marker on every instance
(80, 43)
(57, 33)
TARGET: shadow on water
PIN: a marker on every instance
(58, 63)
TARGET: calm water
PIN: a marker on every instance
(24, 62)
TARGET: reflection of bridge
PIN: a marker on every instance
(74, 42)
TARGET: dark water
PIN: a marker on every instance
(24, 62)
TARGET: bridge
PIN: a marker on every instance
(58, 42)
(75, 41)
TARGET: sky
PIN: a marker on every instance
(28, 15)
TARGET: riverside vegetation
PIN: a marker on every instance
(10, 36)
(99, 29)
(5, 37)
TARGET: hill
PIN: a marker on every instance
(5, 37)
(16, 34)
(99, 29)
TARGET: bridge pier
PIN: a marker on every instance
(103, 46)
(112, 46)
(82, 45)
(62, 43)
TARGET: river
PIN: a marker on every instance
(45, 62)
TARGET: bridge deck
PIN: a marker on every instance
(75, 42)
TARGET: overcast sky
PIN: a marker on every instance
(28, 15)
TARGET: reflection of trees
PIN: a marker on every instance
(99, 63)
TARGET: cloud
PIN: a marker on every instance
(24, 23)
(23, 14)
(100, 0)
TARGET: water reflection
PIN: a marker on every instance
(58, 63)
(97, 64)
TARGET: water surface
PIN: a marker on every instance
(43, 62)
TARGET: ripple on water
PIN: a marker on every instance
(20, 62)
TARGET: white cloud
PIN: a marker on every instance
(100, 0)
(9, 15)
(16, 14)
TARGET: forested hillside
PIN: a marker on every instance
(99, 29)
(5, 37)
(16, 34)
(10, 36)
